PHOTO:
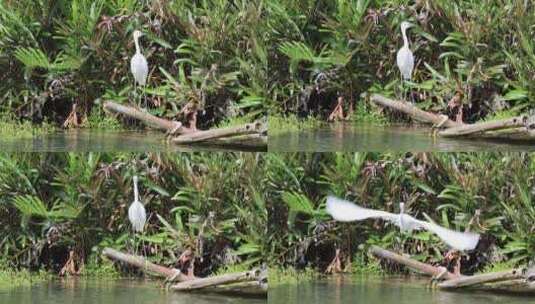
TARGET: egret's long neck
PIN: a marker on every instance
(405, 39)
(136, 193)
(138, 49)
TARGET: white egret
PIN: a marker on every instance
(136, 212)
(342, 210)
(138, 64)
(405, 58)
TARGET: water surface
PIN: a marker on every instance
(101, 141)
(359, 137)
(349, 289)
(118, 292)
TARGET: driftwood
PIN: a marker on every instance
(512, 274)
(413, 111)
(200, 136)
(416, 265)
(253, 275)
(253, 135)
(484, 126)
(148, 119)
(519, 280)
(520, 128)
(249, 283)
(144, 265)
(253, 289)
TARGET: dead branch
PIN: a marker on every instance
(419, 266)
(200, 136)
(146, 118)
(145, 265)
(481, 127)
(483, 278)
(247, 276)
(414, 112)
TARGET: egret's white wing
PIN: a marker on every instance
(456, 240)
(137, 216)
(345, 211)
(139, 68)
(405, 61)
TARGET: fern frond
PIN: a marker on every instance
(32, 58)
(30, 205)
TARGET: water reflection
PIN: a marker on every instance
(101, 141)
(119, 292)
(351, 137)
(348, 289)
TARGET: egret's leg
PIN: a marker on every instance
(145, 96)
(143, 251)
(400, 88)
(132, 242)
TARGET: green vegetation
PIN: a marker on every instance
(279, 276)
(363, 114)
(98, 120)
(279, 124)
(226, 59)
(448, 187)
(238, 210)
(473, 58)
(15, 278)
(60, 210)
(65, 57)
(11, 128)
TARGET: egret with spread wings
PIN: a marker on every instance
(345, 211)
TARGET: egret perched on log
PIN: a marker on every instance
(405, 58)
(136, 212)
(344, 211)
(138, 64)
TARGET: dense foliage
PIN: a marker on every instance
(204, 56)
(474, 58)
(448, 188)
(210, 204)
(227, 59)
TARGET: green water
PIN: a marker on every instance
(347, 289)
(352, 137)
(102, 141)
(118, 292)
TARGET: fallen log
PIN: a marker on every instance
(481, 127)
(414, 112)
(512, 274)
(145, 265)
(515, 134)
(253, 289)
(249, 283)
(249, 136)
(147, 118)
(247, 276)
(519, 286)
(416, 265)
(201, 136)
